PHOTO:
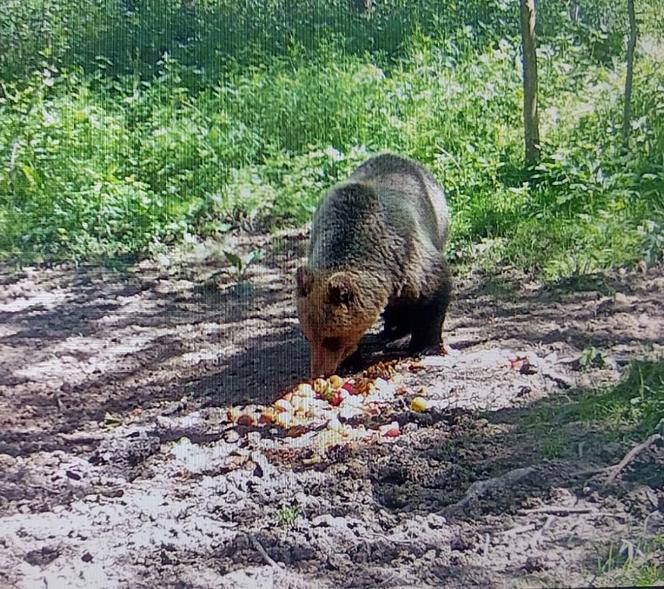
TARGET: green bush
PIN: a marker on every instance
(133, 35)
(101, 164)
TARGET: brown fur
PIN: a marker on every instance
(376, 247)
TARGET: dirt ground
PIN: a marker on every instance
(120, 468)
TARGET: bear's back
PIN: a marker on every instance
(408, 188)
(389, 209)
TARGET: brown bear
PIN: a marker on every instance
(376, 247)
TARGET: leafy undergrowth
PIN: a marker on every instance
(102, 166)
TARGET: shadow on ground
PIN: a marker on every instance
(78, 343)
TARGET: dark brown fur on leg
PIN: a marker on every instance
(398, 322)
(429, 316)
(356, 362)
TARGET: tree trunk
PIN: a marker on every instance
(631, 45)
(530, 113)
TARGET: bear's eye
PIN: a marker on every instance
(332, 343)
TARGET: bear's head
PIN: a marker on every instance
(335, 309)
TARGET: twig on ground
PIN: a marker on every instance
(487, 539)
(562, 510)
(480, 488)
(559, 510)
(82, 437)
(517, 530)
(387, 580)
(58, 402)
(630, 456)
(537, 536)
(259, 548)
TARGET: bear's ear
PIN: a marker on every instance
(304, 279)
(340, 289)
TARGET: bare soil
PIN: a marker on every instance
(119, 466)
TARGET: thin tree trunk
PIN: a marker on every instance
(530, 113)
(631, 45)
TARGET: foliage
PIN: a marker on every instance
(241, 263)
(287, 516)
(133, 35)
(130, 124)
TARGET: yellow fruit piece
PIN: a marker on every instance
(233, 414)
(301, 404)
(419, 404)
(321, 386)
(336, 381)
(315, 459)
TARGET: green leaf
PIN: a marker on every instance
(234, 259)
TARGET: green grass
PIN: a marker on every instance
(638, 564)
(105, 161)
(287, 516)
(634, 407)
(627, 412)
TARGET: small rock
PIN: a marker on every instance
(621, 299)
(42, 556)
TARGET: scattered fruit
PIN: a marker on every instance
(349, 388)
(304, 389)
(523, 365)
(321, 386)
(296, 431)
(299, 404)
(336, 399)
(336, 381)
(111, 420)
(390, 430)
(419, 404)
(233, 414)
(315, 459)
(246, 420)
(269, 415)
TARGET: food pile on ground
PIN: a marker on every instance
(335, 411)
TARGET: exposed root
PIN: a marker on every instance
(518, 530)
(562, 511)
(558, 510)
(537, 536)
(264, 555)
(480, 488)
(614, 471)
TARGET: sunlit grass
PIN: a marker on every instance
(102, 167)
